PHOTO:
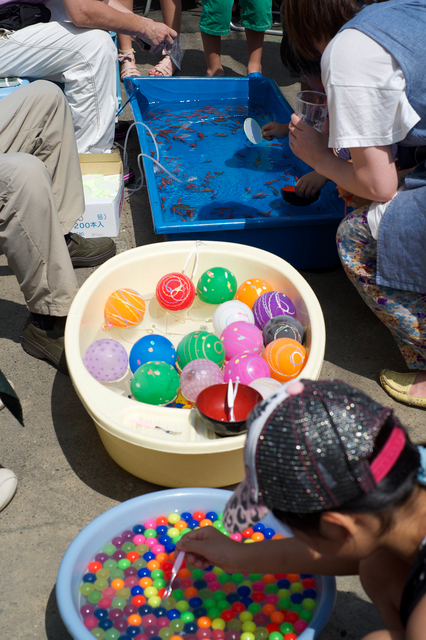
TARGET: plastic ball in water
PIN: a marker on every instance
(124, 308)
(200, 344)
(251, 289)
(286, 358)
(217, 285)
(106, 360)
(152, 347)
(198, 375)
(283, 327)
(245, 368)
(265, 386)
(229, 312)
(239, 337)
(175, 291)
(271, 304)
(155, 382)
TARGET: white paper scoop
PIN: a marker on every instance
(252, 130)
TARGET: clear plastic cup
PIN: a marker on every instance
(311, 106)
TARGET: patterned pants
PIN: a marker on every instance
(403, 312)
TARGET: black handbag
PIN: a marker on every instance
(15, 16)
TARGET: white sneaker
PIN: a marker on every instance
(8, 485)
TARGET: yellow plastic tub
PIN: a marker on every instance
(195, 457)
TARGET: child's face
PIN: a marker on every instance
(345, 536)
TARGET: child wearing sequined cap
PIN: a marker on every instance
(340, 470)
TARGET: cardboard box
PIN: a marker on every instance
(102, 216)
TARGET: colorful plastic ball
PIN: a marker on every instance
(175, 291)
(200, 344)
(271, 304)
(265, 386)
(180, 402)
(239, 337)
(124, 308)
(251, 289)
(282, 327)
(229, 312)
(197, 375)
(286, 358)
(245, 368)
(152, 347)
(155, 383)
(216, 285)
(106, 360)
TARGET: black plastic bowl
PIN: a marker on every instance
(298, 201)
(213, 410)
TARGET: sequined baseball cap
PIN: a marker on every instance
(307, 451)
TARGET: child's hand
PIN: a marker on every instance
(310, 184)
(272, 130)
(207, 545)
(307, 143)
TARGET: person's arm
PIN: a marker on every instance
(417, 621)
(309, 184)
(372, 174)
(207, 545)
(272, 130)
(112, 16)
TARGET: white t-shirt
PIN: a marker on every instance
(366, 99)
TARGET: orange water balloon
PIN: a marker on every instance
(124, 308)
(251, 289)
(286, 358)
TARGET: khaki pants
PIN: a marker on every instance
(41, 194)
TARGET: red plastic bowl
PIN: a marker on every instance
(213, 409)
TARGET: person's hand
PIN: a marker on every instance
(310, 184)
(207, 546)
(307, 143)
(272, 130)
(158, 35)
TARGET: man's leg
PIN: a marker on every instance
(36, 120)
(84, 60)
(32, 240)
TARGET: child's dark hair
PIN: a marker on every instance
(295, 62)
(392, 492)
(311, 21)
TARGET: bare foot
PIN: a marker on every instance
(215, 73)
(254, 68)
(418, 389)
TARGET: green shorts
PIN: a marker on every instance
(217, 14)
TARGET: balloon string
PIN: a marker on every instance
(195, 248)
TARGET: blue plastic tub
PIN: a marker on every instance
(125, 515)
(231, 188)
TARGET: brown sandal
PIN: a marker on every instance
(128, 64)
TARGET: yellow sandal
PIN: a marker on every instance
(398, 386)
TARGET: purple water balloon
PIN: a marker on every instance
(106, 360)
(271, 304)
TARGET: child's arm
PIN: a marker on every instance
(371, 174)
(417, 621)
(272, 130)
(310, 184)
(207, 545)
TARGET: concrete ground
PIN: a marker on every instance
(66, 478)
